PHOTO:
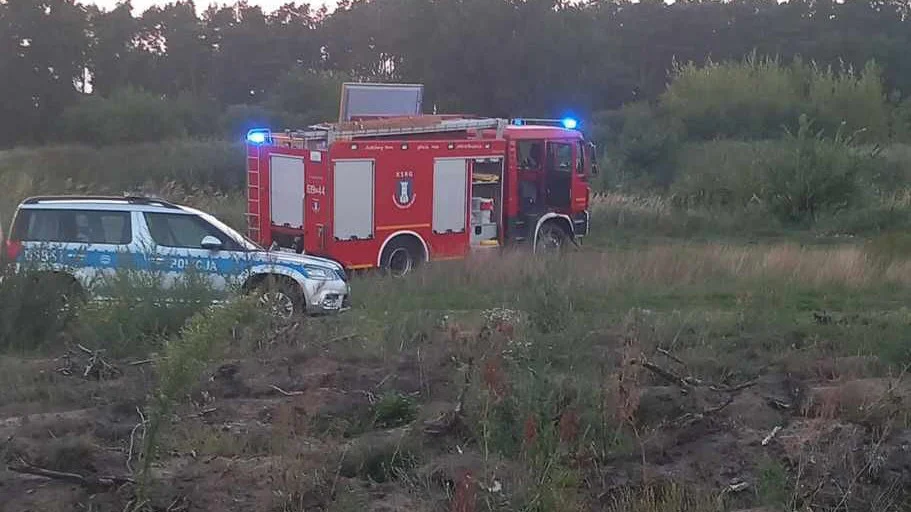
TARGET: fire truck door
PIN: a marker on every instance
(558, 174)
(287, 191)
(450, 201)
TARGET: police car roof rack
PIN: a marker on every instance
(127, 198)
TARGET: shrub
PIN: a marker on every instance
(850, 101)
(115, 169)
(723, 172)
(31, 311)
(304, 97)
(755, 98)
(127, 116)
(901, 121)
(641, 145)
(237, 120)
(814, 173)
(749, 99)
(808, 173)
(394, 410)
(135, 317)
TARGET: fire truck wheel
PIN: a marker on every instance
(280, 298)
(551, 237)
(401, 256)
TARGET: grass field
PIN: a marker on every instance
(682, 360)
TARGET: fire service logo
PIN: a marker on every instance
(404, 192)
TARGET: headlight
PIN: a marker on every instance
(320, 273)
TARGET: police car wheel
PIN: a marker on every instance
(279, 299)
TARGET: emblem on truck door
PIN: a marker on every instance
(404, 192)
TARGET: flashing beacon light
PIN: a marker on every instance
(569, 123)
(258, 136)
(518, 122)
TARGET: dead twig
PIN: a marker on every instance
(670, 356)
(733, 389)
(667, 375)
(97, 367)
(772, 434)
(345, 337)
(91, 483)
(279, 333)
(286, 393)
(142, 424)
(142, 362)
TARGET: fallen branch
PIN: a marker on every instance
(142, 423)
(142, 362)
(286, 393)
(667, 375)
(97, 367)
(279, 333)
(733, 389)
(91, 483)
(670, 356)
(772, 434)
(340, 339)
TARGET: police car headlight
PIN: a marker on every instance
(320, 273)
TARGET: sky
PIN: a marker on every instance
(141, 5)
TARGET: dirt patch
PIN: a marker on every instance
(301, 429)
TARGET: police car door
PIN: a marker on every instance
(181, 251)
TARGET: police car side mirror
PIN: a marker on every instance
(211, 243)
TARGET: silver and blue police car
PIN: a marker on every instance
(83, 239)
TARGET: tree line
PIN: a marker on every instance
(63, 64)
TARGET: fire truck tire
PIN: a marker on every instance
(551, 238)
(280, 297)
(401, 255)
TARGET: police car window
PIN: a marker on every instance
(76, 226)
(184, 231)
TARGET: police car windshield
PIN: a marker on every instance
(244, 242)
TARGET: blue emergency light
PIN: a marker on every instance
(569, 123)
(258, 136)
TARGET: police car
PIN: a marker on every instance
(83, 239)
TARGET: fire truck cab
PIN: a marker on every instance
(395, 191)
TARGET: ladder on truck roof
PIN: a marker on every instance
(393, 127)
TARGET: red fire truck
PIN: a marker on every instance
(393, 192)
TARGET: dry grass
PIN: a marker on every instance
(682, 264)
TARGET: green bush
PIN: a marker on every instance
(808, 173)
(749, 99)
(815, 173)
(850, 101)
(756, 98)
(116, 169)
(139, 312)
(127, 116)
(901, 122)
(32, 310)
(641, 145)
(237, 120)
(723, 173)
(304, 97)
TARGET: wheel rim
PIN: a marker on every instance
(548, 239)
(278, 304)
(400, 262)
